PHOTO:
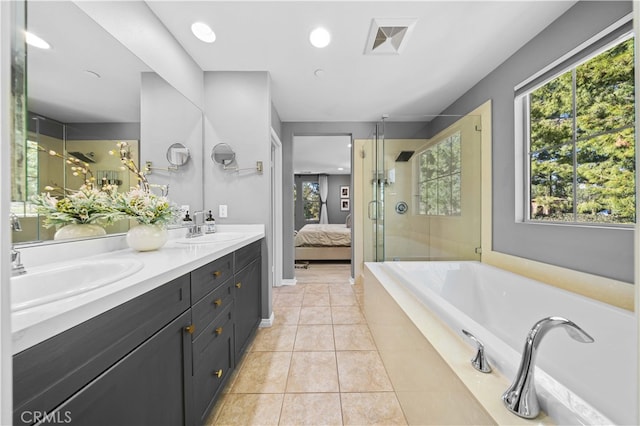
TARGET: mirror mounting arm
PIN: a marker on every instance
(148, 167)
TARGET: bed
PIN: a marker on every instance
(323, 242)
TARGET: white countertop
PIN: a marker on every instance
(34, 325)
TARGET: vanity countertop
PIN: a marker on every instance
(36, 324)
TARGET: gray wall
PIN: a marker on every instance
(238, 112)
(357, 130)
(168, 117)
(103, 131)
(333, 198)
(597, 250)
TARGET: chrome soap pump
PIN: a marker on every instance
(209, 224)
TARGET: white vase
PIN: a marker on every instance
(79, 230)
(147, 237)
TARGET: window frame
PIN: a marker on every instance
(617, 33)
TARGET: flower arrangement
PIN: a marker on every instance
(146, 207)
(124, 152)
(84, 206)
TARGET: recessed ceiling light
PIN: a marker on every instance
(35, 41)
(320, 37)
(341, 168)
(203, 32)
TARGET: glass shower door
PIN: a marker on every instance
(422, 196)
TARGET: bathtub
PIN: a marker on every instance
(576, 383)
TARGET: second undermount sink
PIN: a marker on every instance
(48, 284)
(220, 237)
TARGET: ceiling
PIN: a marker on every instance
(330, 154)
(453, 45)
(59, 86)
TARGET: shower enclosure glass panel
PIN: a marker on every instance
(422, 193)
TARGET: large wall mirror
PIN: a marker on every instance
(83, 96)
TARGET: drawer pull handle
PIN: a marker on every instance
(219, 330)
(218, 373)
(238, 285)
(190, 329)
(217, 273)
(217, 302)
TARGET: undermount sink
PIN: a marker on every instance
(221, 237)
(48, 284)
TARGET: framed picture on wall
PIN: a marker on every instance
(344, 204)
(344, 192)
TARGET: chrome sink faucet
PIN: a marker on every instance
(195, 229)
(17, 268)
(521, 398)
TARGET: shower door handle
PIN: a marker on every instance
(375, 209)
(369, 211)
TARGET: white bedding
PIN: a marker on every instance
(323, 235)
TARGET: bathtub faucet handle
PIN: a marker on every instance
(479, 361)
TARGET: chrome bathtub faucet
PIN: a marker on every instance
(521, 398)
(479, 361)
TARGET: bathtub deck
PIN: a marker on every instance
(400, 336)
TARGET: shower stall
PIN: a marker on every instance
(419, 189)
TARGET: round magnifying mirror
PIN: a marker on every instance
(223, 154)
(178, 155)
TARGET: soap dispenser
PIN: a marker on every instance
(186, 220)
(209, 224)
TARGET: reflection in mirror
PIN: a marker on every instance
(58, 165)
(84, 96)
(178, 155)
(223, 154)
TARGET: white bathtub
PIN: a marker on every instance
(577, 383)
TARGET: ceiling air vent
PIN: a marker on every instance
(388, 36)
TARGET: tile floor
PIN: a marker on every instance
(317, 365)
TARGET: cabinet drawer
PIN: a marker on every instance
(50, 372)
(207, 343)
(211, 305)
(213, 372)
(210, 276)
(245, 255)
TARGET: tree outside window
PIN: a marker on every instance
(582, 142)
(439, 178)
(311, 200)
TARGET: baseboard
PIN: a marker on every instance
(267, 322)
(288, 281)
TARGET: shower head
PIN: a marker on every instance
(404, 156)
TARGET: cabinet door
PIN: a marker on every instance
(150, 386)
(248, 284)
(46, 375)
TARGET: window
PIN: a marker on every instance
(311, 200)
(439, 178)
(24, 207)
(579, 127)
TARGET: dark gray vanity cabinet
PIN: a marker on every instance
(248, 286)
(213, 321)
(117, 364)
(149, 386)
(159, 359)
